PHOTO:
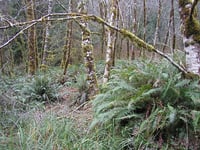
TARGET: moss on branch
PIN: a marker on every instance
(139, 42)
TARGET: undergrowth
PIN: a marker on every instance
(143, 106)
(153, 104)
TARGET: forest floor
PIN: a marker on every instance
(81, 115)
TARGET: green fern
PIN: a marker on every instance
(152, 100)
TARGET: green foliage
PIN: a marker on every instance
(49, 133)
(41, 90)
(152, 103)
(81, 83)
(144, 106)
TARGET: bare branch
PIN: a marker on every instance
(16, 35)
(73, 16)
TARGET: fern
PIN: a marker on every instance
(151, 100)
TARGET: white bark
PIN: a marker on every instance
(88, 54)
(110, 43)
(192, 56)
(47, 35)
(190, 40)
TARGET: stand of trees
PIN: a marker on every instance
(32, 34)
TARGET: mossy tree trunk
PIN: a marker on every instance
(87, 48)
(47, 37)
(116, 39)
(103, 15)
(190, 28)
(32, 66)
(110, 41)
(68, 43)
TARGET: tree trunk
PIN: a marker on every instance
(135, 23)
(68, 44)
(190, 28)
(88, 54)
(173, 28)
(144, 26)
(103, 15)
(128, 49)
(1, 62)
(31, 38)
(110, 42)
(157, 25)
(47, 37)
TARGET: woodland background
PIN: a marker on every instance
(81, 75)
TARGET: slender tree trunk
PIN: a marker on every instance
(1, 61)
(144, 19)
(128, 49)
(116, 34)
(31, 38)
(190, 27)
(121, 46)
(110, 42)
(144, 25)
(157, 25)
(134, 27)
(173, 28)
(68, 44)
(114, 48)
(47, 37)
(88, 54)
(103, 15)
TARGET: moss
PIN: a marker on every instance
(88, 47)
(192, 28)
(97, 19)
(136, 40)
(182, 3)
(43, 67)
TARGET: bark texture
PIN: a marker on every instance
(31, 38)
(110, 41)
(190, 28)
(103, 15)
(88, 54)
(47, 37)
(68, 44)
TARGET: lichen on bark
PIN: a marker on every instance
(190, 28)
(87, 48)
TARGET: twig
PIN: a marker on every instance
(77, 108)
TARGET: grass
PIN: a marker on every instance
(135, 110)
